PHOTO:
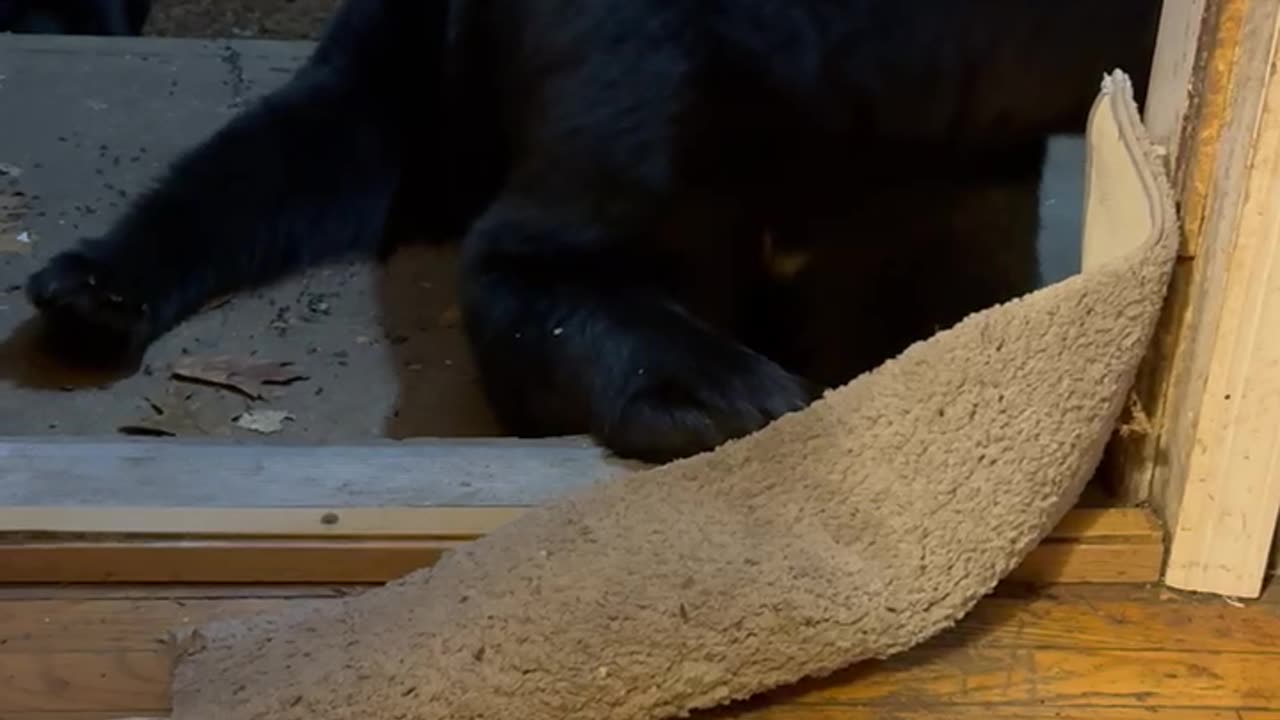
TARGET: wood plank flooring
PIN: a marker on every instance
(1101, 652)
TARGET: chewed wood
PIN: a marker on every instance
(1222, 445)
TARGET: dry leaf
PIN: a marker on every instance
(263, 421)
(217, 302)
(241, 374)
(176, 414)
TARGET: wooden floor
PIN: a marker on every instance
(1067, 652)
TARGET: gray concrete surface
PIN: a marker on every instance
(89, 122)
(268, 19)
(1062, 200)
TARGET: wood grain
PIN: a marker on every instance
(75, 626)
(1131, 456)
(1097, 546)
(972, 676)
(181, 593)
(1111, 525)
(1189, 83)
(1108, 525)
(1119, 625)
(213, 561)
(1206, 445)
(89, 472)
(137, 682)
(125, 682)
(258, 522)
(1088, 648)
(853, 712)
(983, 712)
(1091, 562)
(1141, 624)
(1172, 88)
(1223, 448)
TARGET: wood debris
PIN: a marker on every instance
(217, 302)
(14, 238)
(176, 414)
(263, 421)
(247, 376)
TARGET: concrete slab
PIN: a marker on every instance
(89, 121)
(1062, 200)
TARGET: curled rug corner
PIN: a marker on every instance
(852, 530)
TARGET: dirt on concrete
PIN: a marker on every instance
(266, 19)
(92, 122)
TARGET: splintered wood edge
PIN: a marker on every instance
(1221, 490)
(376, 545)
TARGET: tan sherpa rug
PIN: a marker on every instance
(852, 530)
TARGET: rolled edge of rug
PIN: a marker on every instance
(626, 600)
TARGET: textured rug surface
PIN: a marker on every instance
(852, 530)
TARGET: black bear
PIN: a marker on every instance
(679, 219)
(74, 17)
